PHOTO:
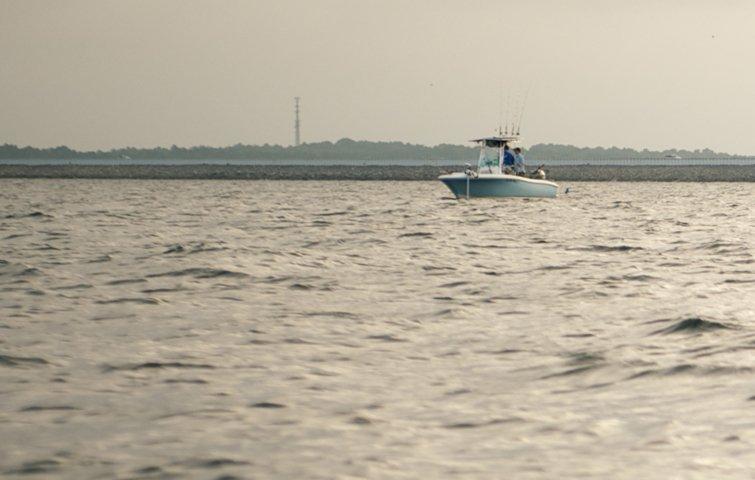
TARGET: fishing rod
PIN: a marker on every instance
(524, 105)
(514, 115)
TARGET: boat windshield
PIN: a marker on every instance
(489, 159)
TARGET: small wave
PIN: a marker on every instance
(10, 361)
(215, 463)
(334, 314)
(200, 272)
(194, 413)
(34, 467)
(612, 248)
(581, 358)
(143, 301)
(175, 249)
(156, 366)
(739, 280)
(458, 391)
(298, 341)
(28, 215)
(16, 235)
(571, 371)
(78, 286)
(101, 259)
(126, 281)
(416, 234)
(44, 408)
(639, 277)
(267, 405)
(719, 245)
(273, 279)
(151, 470)
(163, 290)
(361, 420)
(692, 325)
(193, 247)
(101, 318)
(580, 362)
(448, 312)
(687, 368)
(503, 351)
(197, 381)
(332, 214)
(495, 421)
(673, 264)
(29, 271)
(386, 338)
(18, 269)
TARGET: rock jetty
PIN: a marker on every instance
(586, 173)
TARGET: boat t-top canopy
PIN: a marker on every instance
(496, 141)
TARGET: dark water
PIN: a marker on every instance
(231, 329)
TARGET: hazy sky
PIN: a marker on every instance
(642, 73)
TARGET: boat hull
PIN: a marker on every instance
(498, 185)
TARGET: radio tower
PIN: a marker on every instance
(297, 133)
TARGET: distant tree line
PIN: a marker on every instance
(551, 151)
(346, 149)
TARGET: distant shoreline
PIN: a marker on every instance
(354, 150)
(587, 173)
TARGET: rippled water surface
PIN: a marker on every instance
(222, 329)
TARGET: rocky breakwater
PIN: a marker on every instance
(741, 173)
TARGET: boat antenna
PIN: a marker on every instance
(521, 112)
(500, 111)
(514, 114)
(508, 109)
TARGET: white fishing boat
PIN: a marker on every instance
(491, 179)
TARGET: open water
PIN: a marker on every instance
(318, 330)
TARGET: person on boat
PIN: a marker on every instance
(508, 159)
(519, 167)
